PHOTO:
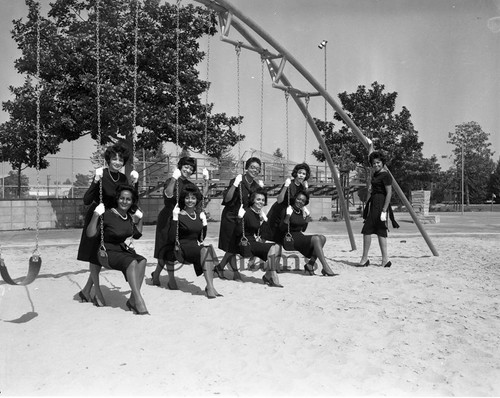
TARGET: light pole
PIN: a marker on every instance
(462, 189)
(322, 46)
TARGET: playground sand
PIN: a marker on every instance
(426, 326)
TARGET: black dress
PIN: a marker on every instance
(372, 223)
(272, 231)
(116, 231)
(298, 225)
(87, 251)
(191, 233)
(252, 233)
(161, 237)
(228, 238)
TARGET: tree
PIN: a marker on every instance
(373, 111)
(69, 83)
(15, 186)
(80, 185)
(471, 142)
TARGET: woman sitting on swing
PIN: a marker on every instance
(295, 219)
(188, 226)
(118, 224)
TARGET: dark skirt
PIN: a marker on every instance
(302, 244)
(372, 223)
(120, 257)
(160, 235)
(192, 255)
(87, 250)
(228, 232)
(259, 249)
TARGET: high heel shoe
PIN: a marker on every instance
(387, 264)
(324, 273)
(135, 310)
(83, 298)
(364, 265)
(153, 280)
(219, 272)
(270, 282)
(208, 295)
(308, 269)
(97, 302)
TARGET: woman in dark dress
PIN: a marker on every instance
(295, 219)
(232, 201)
(376, 210)
(116, 156)
(119, 225)
(189, 225)
(251, 222)
(300, 174)
(172, 188)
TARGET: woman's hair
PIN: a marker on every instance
(189, 189)
(187, 160)
(252, 160)
(376, 155)
(253, 195)
(305, 193)
(124, 187)
(301, 166)
(117, 149)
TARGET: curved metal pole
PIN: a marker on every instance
(224, 6)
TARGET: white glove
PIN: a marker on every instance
(289, 210)
(306, 185)
(139, 129)
(306, 211)
(176, 174)
(383, 216)
(241, 212)
(369, 142)
(203, 218)
(261, 183)
(98, 174)
(100, 209)
(138, 213)
(206, 174)
(175, 213)
(288, 181)
(237, 180)
(263, 216)
(134, 176)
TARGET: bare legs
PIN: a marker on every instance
(135, 275)
(382, 241)
(318, 242)
(208, 259)
(273, 262)
(98, 300)
(155, 275)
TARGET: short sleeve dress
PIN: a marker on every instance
(372, 223)
(298, 224)
(191, 233)
(161, 238)
(87, 250)
(252, 232)
(228, 239)
(117, 229)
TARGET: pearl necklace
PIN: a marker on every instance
(296, 211)
(246, 179)
(117, 178)
(191, 217)
(118, 213)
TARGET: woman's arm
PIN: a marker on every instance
(388, 196)
(92, 227)
(284, 188)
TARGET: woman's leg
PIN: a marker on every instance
(382, 241)
(234, 267)
(318, 242)
(272, 260)
(95, 269)
(207, 262)
(367, 241)
(88, 287)
(134, 272)
(172, 284)
(155, 275)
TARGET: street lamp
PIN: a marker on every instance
(322, 46)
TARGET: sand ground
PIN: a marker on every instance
(427, 326)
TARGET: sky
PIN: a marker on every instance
(438, 55)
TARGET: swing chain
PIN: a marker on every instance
(38, 92)
(177, 72)
(262, 61)
(308, 98)
(237, 49)
(287, 96)
(206, 96)
(136, 38)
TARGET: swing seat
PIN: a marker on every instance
(35, 263)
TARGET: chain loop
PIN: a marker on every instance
(305, 132)
(287, 96)
(237, 48)
(262, 60)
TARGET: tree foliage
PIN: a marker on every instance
(494, 182)
(470, 140)
(69, 81)
(373, 111)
